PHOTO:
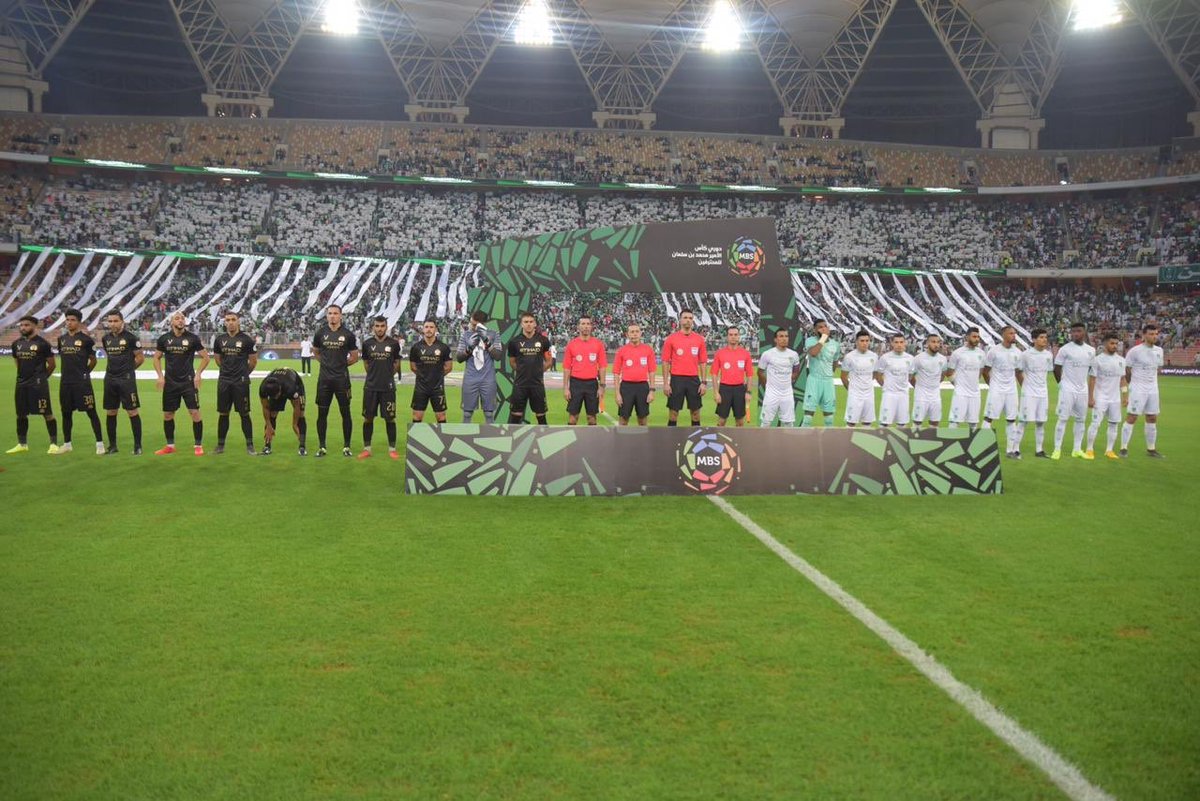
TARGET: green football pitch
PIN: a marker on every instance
(284, 628)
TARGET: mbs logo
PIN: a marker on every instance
(745, 257)
(708, 463)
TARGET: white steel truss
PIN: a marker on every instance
(1174, 25)
(43, 26)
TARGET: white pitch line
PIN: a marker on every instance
(1066, 776)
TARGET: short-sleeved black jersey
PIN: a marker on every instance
(235, 352)
(120, 348)
(289, 380)
(528, 351)
(180, 354)
(381, 356)
(332, 348)
(31, 355)
(429, 358)
(75, 351)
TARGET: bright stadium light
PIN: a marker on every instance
(724, 32)
(341, 17)
(533, 25)
(1089, 15)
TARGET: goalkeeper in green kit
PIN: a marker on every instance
(822, 355)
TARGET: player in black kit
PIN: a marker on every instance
(529, 356)
(279, 387)
(120, 379)
(236, 357)
(381, 358)
(180, 381)
(35, 364)
(430, 361)
(77, 354)
(336, 351)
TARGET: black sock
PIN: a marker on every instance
(136, 424)
(168, 429)
(368, 432)
(541, 418)
(23, 430)
(248, 430)
(514, 418)
(303, 425)
(222, 429)
(672, 423)
(110, 423)
(95, 421)
(347, 422)
(322, 424)
(66, 426)
(52, 429)
(198, 431)
(390, 425)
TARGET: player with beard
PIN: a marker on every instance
(77, 354)
(180, 381)
(336, 350)
(120, 380)
(236, 356)
(35, 365)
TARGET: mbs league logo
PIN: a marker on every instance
(708, 463)
(745, 257)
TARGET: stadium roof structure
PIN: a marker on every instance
(809, 65)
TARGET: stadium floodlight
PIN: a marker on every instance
(341, 17)
(1089, 15)
(724, 31)
(533, 25)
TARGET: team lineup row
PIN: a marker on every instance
(1016, 379)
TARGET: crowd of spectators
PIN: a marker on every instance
(226, 217)
(92, 211)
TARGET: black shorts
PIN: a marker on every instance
(534, 396)
(77, 397)
(328, 389)
(176, 391)
(684, 387)
(120, 392)
(585, 394)
(635, 396)
(277, 405)
(34, 398)
(381, 403)
(423, 398)
(732, 397)
(233, 395)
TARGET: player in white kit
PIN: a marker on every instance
(965, 365)
(927, 370)
(1072, 371)
(1001, 372)
(892, 371)
(1142, 364)
(1108, 370)
(1036, 364)
(777, 371)
(858, 377)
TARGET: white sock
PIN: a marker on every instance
(1018, 434)
(987, 424)
(1110, 437)
(1093, 430)
(1039, 436)
(1078, 431)
(1151, 436)
(1126, 435)
(1060, 431)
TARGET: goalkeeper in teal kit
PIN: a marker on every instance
(822, 355)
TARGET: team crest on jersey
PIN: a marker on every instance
(679, 351)
(78, 343)
(388, 349)
(437, 351)
(578, 357)
(727, 365)
(184, 343)
(537, 346)
(629, 362)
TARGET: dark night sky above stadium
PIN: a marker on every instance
(1115, 88)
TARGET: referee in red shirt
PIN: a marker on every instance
(633, 369)
(584, 362)
(684, 357)
(731, 378)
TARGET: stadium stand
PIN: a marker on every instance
(247, 144)
(211, 217)
(119, 139)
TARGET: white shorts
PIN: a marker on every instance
(1143, 401)
(1002, 405)
(1071, 404)
(964, 409)
(894, 408)
(778, 406)
(860, 407)
(927, 407)
(1108, 408)
(1035, 409)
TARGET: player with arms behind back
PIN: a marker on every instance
(381, 360)
(1036, 364)
(529, 357)
(927, 370)
(892, 372)
(236, 356)
(1143, 361)
(858, 377)
(120, 380)
(35, 364)
(1001, 372)
(1072, 371)
(1108, 371)
(180, 381)
(778, 368)
(336, 350)
(430, 360)
(77, 353)
(966, 365)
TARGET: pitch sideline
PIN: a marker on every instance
(1062, 773)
